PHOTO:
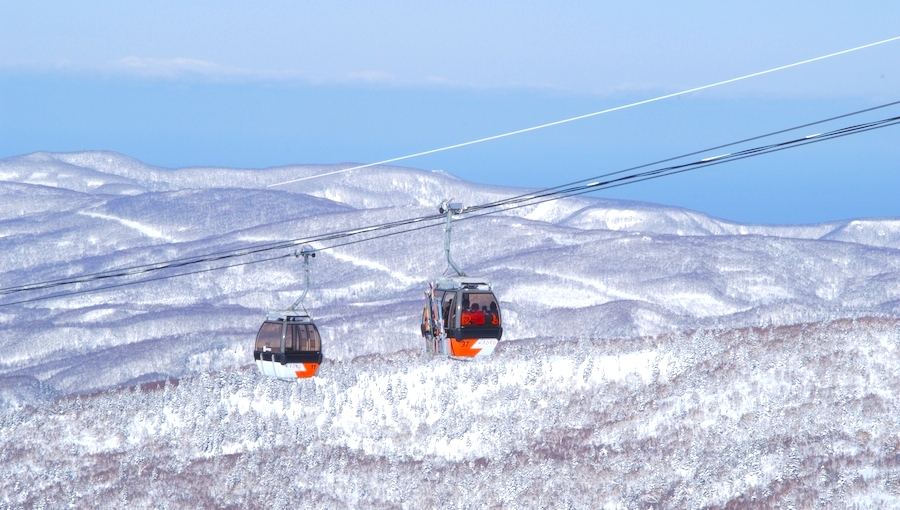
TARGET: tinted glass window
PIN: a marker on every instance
(479, 310)
(303, 340)
(290, 338)
(303, 337)
(314, 343)
(449, 310)
(269, 336)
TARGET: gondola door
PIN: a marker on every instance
(461, 318)
(268, 347)
(473, 324)
(303, 353)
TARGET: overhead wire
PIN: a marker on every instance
(206, 270)
(529, 200)
(588, 115)
(145, 280)
(210, 257)
(429, 221)
(709, 149)
(264, 247)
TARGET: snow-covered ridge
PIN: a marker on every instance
(581, 267)
(652, 355)
(103, 172)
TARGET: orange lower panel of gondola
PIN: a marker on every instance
(306, 370)
(287, 371)
(472, 347)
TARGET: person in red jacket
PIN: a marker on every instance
(477, 315)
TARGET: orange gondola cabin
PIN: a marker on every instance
(461, 318)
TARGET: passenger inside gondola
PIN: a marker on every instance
(482, 312)
(494, 315)
(477, 315)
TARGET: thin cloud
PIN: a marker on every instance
(183, 68)
(631, 88)
(179, 68)
(192, 69)
(373, 77)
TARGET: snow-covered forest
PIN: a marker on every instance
(651, 356)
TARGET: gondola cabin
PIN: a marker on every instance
(461, 318)
(288, 346)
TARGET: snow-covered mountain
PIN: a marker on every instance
(651, 355)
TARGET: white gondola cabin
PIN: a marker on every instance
(288, 345)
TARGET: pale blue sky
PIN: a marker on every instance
(255, 84)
